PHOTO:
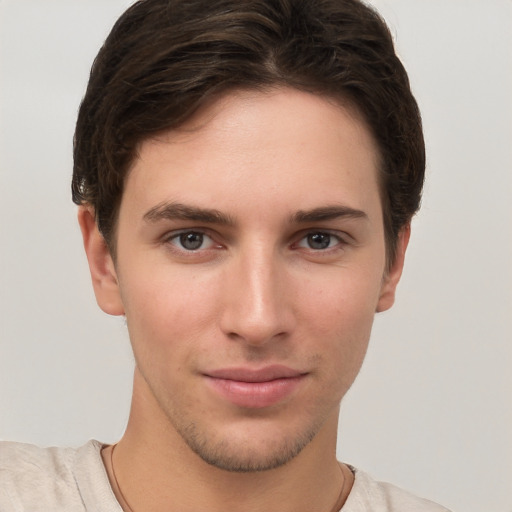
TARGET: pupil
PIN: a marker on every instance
(319, 240)
(191, 241)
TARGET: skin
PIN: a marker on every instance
(289, 270)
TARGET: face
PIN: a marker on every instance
(250, 263)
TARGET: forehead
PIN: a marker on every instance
(279, 147)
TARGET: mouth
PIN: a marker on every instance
(255, 388)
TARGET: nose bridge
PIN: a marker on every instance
(257, 308)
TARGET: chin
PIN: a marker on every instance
(246, 455)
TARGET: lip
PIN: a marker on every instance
(254, 388)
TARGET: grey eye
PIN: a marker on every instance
(191, 240)
(319, 240)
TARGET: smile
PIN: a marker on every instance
(255, 389)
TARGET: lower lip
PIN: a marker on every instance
(255, 395)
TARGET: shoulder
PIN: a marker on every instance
(34, 478)
(369, 494)
(14, 456)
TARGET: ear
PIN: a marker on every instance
(390, 280)
(101, 264)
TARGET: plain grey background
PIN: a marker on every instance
(431, 410)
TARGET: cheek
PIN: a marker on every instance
(338, 318)
(164, 309)
(342, 301)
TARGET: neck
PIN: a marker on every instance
(156, 470)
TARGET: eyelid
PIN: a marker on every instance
(171, 236)
(343, 238)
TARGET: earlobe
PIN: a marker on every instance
(101, 264)
(392, 277)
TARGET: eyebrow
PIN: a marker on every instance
(325, 213)
(179, 211)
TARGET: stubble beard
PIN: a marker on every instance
(240, 456)
(229, 457)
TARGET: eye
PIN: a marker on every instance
(191, 240)
(319, 240)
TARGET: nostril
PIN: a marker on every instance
(257, 336)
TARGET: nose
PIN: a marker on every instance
(257, 302)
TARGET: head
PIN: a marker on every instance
(164, 59)
(247, 172)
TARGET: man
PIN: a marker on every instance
(246, 173)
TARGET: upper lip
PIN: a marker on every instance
(264, 374)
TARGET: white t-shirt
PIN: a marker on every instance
(34, 479)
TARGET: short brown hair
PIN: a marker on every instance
(165, 58)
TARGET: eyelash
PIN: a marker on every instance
(177, 240)
(179, 237)
(340, 242)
